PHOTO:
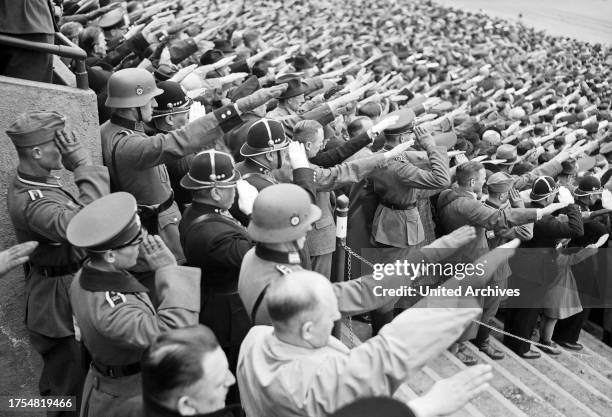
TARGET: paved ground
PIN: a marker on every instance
(587, 20)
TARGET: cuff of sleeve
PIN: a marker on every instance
(178, 287)
(228, 117)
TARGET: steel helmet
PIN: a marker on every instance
(131, 87)
(282, 213)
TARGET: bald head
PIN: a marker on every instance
(295, 297)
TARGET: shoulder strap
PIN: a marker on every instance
(284, 270)
(205, 218)
(116, 183)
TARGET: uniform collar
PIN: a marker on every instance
(127, 123)
(95, 280)
(47, 181)
(267, 254)
(254, 166)
(494, 205)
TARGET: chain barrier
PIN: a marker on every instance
(352, 253)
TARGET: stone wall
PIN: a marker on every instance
(19, 364)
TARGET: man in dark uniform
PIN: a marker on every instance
(235, 138)
(136, 161)
(216, 243)
(172, 113)
(590, 272)
(534, 268)
(40, 209)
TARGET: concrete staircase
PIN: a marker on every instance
(573, 384)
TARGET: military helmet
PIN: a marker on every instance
(264, 136)
(173, 100)
(210, 169)
(588, 185)
(282, 213)
(131, 87)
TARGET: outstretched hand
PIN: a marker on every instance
(15, 256)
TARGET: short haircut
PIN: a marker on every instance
(306, 130)
(285, 305)
(355, 127)
(466, 171)
(174, 361)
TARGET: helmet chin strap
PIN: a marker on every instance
(139, 114)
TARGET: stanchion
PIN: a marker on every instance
(339, 256)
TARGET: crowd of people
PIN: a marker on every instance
(193, 274)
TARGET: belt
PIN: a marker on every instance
(117, 371)
(161, 207)
(398, 206)
(57, 270)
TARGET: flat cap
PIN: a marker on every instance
(35, 128)
(500, 182)
(404, 123)
(110, 222)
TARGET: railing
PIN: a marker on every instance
(65, 48)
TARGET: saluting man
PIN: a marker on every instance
(216, 243)
(40, 209)
(136, 161)
(112, 310)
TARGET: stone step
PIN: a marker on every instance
(491, 403)
(510, 382)
(568, 398)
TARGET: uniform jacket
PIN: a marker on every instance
(396, 184)
(334, 375)
(117, 322)
(458, 208)
(139, 159)
(40, 210)
(261, 265)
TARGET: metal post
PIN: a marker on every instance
(80, 72)
(339, 256)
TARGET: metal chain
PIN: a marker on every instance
(351, 252)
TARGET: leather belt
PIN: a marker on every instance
(117, 371)
(398, 206)
(161, 207)
(57, 270)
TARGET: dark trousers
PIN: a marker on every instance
(568, 330)
(520, 322)
(26, 64)
(63, 373)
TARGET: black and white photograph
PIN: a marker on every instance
(295, 208)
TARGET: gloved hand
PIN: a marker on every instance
(73, 154)
(156, 253)
(246, 196)
(297, 155)
(260, 97)
(565, 196)
(196, 111)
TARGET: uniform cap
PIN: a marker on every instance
(209, 169)
(112, 18)
(588, 185)
(131, 87)
(173, 99)
(374, 406)
(282, 213)
(404, 123)
(264, 136)
(543, 187)
(35, 128)
(500, 182)
(110, 222)
(165, 71)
